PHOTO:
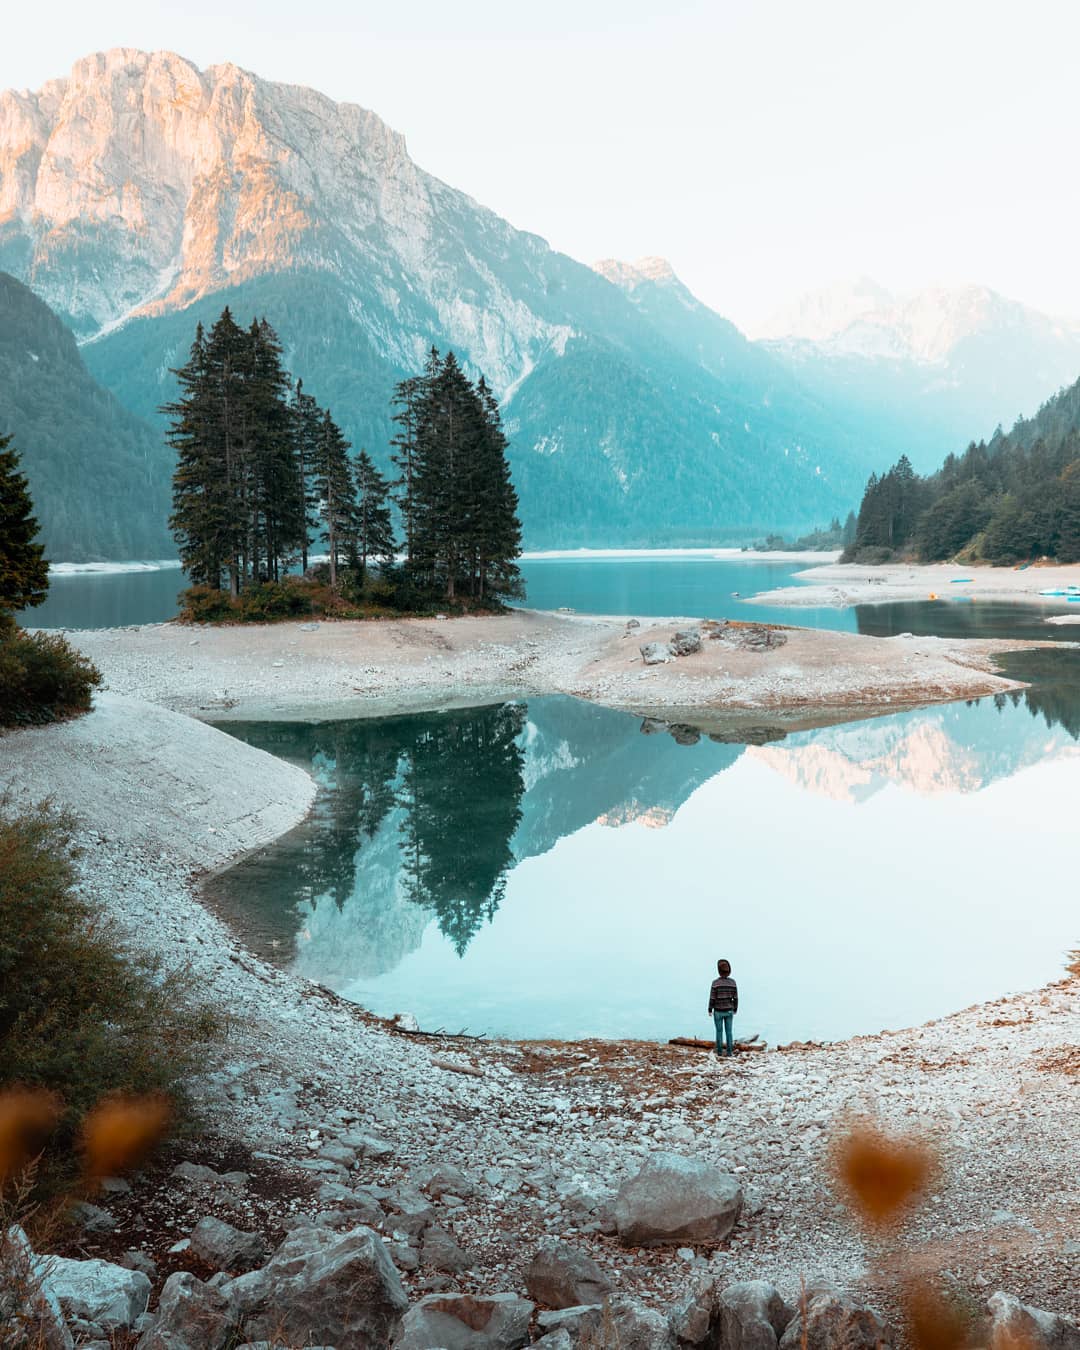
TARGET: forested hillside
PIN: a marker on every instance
(1008, 500)
(99, 476)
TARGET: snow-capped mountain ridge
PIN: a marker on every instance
(862, 318)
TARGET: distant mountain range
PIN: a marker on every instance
(923, 374)
(141, 194)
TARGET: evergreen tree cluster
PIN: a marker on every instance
(1009, 500)
(456, 496)
(260, 466)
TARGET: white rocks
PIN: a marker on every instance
(677, 1200)
(830, 1319)
(1015, 1324)
(560, 1276)
(465, 1322)
(319, 1286)
(190, 1316)
(98, 1291)
(27, 1300)
(224, 1247)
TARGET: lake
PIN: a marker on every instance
(689, 584)
(546, 869)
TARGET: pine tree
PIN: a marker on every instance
(278, 509)
(374, 528)
(307, 428)
(24, 573)
(201, 491)
(498, 529)
(408, 399)
(334, 484)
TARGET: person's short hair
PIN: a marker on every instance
(724, 967)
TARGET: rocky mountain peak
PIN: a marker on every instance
(628, 276)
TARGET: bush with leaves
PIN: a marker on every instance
(81, 1015)
(42, 677)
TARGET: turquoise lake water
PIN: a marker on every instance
(546, 868)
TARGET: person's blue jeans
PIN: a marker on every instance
(723, 1022)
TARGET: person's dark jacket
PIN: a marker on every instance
(724, 995)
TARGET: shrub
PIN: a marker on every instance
(42, 678)
(81, 1015)
(264, 602)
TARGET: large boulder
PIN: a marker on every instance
(582, 1323)
(686, 642)
(1015, 1324)
(98, 1291)
(443, 1179)
(29, 1309)
(560, 1276)
(631, 1325)
(677, 1200)
(224, 1247)
(190, 1316)
(751, 1316)
(828, 1320)
(656, 653)
(322, 1287)
(465, 1322)
(440, 1251)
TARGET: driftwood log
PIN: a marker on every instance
(695, 1043)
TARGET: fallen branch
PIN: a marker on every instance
(440, 1034)
(694, 1043)
(470, 1069)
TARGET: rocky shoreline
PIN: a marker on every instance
(731, 676)
(845, 584)
(335, 1118)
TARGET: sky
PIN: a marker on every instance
(765, 147)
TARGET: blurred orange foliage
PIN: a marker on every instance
(121, 1132)
(881, 1174)
(27, 1118)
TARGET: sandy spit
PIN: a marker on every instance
(342, 670)
(547, 1130)
(844, 584)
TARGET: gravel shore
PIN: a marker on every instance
(545, 1131)
(296, 671)
(844, 584)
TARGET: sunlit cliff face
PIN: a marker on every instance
(140, 183)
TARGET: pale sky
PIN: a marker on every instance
(765, 147)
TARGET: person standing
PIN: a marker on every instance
(724, 1004)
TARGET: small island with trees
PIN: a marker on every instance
(263, 472)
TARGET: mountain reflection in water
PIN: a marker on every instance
(432, 817)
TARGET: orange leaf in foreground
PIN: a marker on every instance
(27, 1118)
(881, 1174)
(120, 1132)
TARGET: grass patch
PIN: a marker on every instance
(42, 678)
(81, 1016)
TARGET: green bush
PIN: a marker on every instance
(42, 678)
(80, 1015)
(265, 602)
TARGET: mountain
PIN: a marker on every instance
(100, 478)
(923, 374)
(142, 194)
